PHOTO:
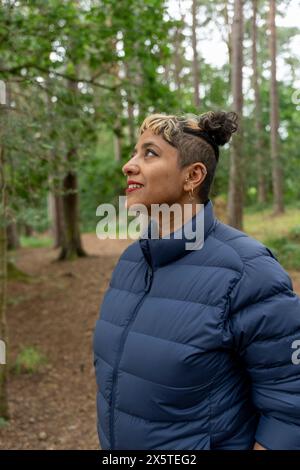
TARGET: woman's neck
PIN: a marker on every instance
(171, 221)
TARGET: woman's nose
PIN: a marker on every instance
(130, 169)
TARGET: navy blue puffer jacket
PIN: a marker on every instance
(197, 349)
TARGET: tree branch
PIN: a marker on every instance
(17, 68)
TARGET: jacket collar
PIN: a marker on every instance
(161, 251)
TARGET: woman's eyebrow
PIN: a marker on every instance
(145, 144)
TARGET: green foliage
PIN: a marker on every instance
(50, 56)
(3, 422)
(287, 248)
(295, 234)
(63, 62)
(36, 242)
(29, 361)
(15, 274)
(36, 216)
(101, 181)
(261, 224)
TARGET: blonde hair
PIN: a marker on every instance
(167, 124)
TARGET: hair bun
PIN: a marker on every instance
(220, 125)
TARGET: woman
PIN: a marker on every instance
(195, 349)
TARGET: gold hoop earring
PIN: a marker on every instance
(191, 194)
(191, 191)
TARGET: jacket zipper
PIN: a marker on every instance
(125, 334)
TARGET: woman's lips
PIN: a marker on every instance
(129, 190)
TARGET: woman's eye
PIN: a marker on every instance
(152, 151)
(146, 152)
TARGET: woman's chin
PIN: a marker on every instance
(133, 201)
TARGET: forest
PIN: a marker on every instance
(77, 79)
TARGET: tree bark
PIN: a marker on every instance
(195, 55)
(13, 241)
(55, 205)
(178, 52)
(130, 112)
(236, 183)
(229, 29)
(71, 247)
(3, 275)
(226, 33)
(261, 166)
(117, 129)
(28, 230)
(277, 176)
(117, 147)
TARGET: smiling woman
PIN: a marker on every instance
(193, 349)
(175, 158)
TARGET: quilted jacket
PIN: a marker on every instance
(198, 349)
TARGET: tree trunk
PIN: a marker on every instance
(261, 166)
(117, 130)
(195, 55)
(178, 52)
(166, 74)
(277, 177)
(130, 112)
(117, 127)
(12, 236)
(71, 244)
(55, 205)
(71, 247)
(28, 230)
(236, 183)
(227, 36)
(229, 27)
(3, 283)
(117, 147)
(131, 125)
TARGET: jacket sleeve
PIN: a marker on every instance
(263, 326)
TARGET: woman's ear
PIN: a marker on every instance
(198, 174)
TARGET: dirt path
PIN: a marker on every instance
(56, 313)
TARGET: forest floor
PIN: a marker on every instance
(55, 312)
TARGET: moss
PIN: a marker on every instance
(29, 361)
(15, 274)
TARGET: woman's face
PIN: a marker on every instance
(153, 165)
